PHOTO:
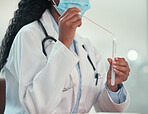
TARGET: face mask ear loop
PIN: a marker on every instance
(54, 2)
(55, 6)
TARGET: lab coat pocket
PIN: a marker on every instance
(67, 99)
(69, 84)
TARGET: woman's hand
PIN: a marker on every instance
(121, 70)
(68, 24)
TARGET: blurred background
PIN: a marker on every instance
(127, 19)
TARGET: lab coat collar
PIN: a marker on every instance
(47, 22)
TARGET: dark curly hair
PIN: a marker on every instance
(27, 12)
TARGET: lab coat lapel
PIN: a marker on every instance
(84, 70)
(83, 55)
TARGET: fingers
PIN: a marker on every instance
(68, 11)
(110, 68)
(121, 69)
(121, 75)
(109, 60)
(74, 21)
(77, 23)
(72, 18)
(71, 14)
(120, 61)
(122, 65)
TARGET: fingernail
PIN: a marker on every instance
(116, 58)
(114, 66)
(114, 62)
(115, 70)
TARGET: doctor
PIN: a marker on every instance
(63, 80)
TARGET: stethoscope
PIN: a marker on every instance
(97, 75)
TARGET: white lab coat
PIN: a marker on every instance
(37, 84)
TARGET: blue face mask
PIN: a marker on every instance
(84, 5)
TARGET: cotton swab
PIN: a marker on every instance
(113, 48)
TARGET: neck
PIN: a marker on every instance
(55, 14)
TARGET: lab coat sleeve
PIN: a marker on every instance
(41, 80)
(104, 102)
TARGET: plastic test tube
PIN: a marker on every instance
(113, 58)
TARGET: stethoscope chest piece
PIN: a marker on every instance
(97, 76)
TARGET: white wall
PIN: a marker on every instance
(127, 19)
